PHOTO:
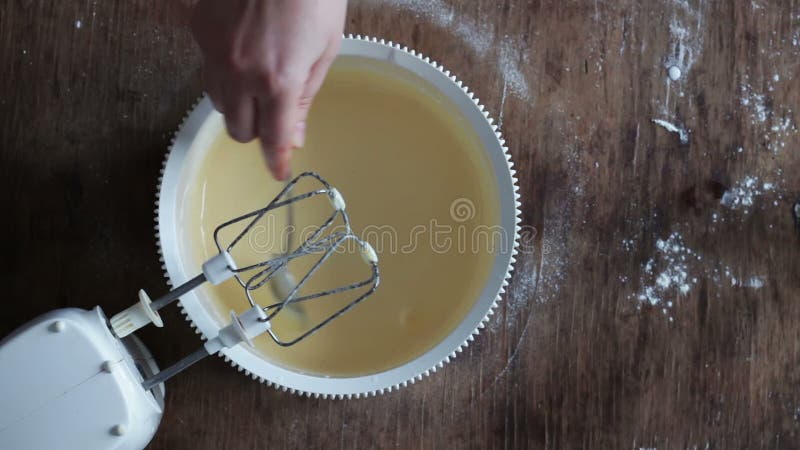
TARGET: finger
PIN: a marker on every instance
(275, 119)
(277, 158)
(278, 114)
(299, 134)
(278, 162)
(240, 116)
(314, 82)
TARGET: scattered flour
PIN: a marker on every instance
(775, 122)
(674, 270)
(756, 103)
(780, 131)
(481, 36)
(553, 262)
(628, 245)
(668, 272)
(559, 222)
(516, 300)
(726, 275)
(685, 45)
(686, 33)
(502, 105)
(754, 282)
(743, 194)
(526, 279)
(509, 67)
(682, 133)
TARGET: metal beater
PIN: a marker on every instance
(327, 239)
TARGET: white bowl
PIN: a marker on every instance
(203, 123)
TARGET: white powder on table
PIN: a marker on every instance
(754, 282)
(668, 272)
(674, 270)
(682, 133)
(478, 35)
(516, 298)
(755, 102)
(554, 258)
(726, 275)
(773, 122)
(744, 193)
(686, 35)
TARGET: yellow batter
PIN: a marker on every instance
(400, 153)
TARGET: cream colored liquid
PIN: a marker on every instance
(400, 154)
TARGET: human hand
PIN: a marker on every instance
(264, 62)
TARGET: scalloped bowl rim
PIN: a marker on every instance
(207, 323)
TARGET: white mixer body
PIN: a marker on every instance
(67, 383)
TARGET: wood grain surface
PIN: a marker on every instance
(92, 91)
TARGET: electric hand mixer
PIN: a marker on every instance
(72, 379)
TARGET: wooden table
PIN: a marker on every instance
(657, 305)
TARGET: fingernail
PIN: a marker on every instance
(299, 135)
(284, 164)
(271, 163)
(285, 173)
(278, 163)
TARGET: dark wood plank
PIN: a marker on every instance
(573, 359)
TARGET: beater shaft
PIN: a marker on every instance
(178, 292)
(324, 241)
(165, 374)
